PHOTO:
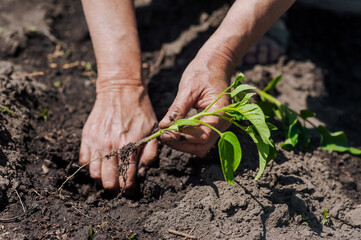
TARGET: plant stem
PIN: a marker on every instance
(231, 121)
(219, 97)
(268, 97)
(279, 104)
(5, 109)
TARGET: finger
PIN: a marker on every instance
(128, 180)
(84, 155)
(200, 134)
(148, 156)
(95, 166)
(179, 108)
(109, 173)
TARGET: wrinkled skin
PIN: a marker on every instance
(202, 82)
(122, 111)
(117, 118)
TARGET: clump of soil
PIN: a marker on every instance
(181, 192)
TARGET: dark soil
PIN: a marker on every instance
(321, 72)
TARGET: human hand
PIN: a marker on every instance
(205, 78)
(118, 117)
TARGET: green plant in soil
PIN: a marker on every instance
(294, 124)
(91, 233)
(246, 116)
(325, 217)
(44, 115)
(250, 118)
(6, 110)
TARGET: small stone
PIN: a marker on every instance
(45, 169)
(2, 171)
(335, 210)
(4, 184)
(353, 217)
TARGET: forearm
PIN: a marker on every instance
(114, 34)
(244, 24)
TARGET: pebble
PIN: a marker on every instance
(353, 217)
(4, 183)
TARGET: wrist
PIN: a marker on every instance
(220, 55)
(114, 79)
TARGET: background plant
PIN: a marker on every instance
(297, 134)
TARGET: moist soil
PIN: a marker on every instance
(321, 72)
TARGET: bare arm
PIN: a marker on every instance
(210, 71)
(245, 23)
(114, 34)
(122, 112)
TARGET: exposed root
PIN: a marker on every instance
(123, 154)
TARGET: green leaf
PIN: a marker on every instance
(307, 114)
(305, 137)
(255, 115)
(236, 115)
(44, 115)
(268, 108)
(230, 153)
(274, 82)
(57, 84)
(238, 80)
(336, 141)
(91, 233)
(287, 145)
(266, 152)
(271, 126)
(246, 98)
(325, 217)
(241, 88)
(294, 131)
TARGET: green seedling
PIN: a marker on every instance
(250, 118)
(325, 217)
(44, 115)
(245, 115)
(91, 233)
(304, 219)
(68, 53)
(294, 124)
(32, 29)
(88, 66)
(4, 109)
(57, 84)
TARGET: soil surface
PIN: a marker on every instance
(48, 65)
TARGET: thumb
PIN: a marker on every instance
(179, 108)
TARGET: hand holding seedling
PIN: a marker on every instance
(122, 111)
(201, 83)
